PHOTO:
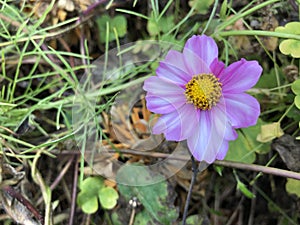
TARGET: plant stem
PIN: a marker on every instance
(188, 199)
(259, 33)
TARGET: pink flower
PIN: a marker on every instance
(200, 100)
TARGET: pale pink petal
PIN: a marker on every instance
(163, 97)
(178, 125)
(176, 59)
(194, 63)
(204, 47)
(222, 150)
(242, 109)
(217, 67)
(173, 74)
(209, 142)
(240, 76)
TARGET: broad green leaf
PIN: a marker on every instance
(108, 197)
(297, 101)
(292, 186)
(144, 217)
(290, 46)
(270, 132)
(240, 150)
(294, 113)
(88, 203)
(166, 23)
(296, 87)
(243, 149)
(152, 190)
(269, 80)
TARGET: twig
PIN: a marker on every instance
(237, 165)
(188, 199)
(73, 203)
(58, 179)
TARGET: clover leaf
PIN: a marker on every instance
(296, 90)
(118, 23)
(92, 189)
(290, 46)
(87, 198)
(293, 186)
(108, 197)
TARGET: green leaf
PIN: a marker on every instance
(297, 101)
(88, 203)
(92, 185)
(152, 190)
(223, 10)
(166, 23)
(196, 220)
(269, 80)
(290, 46)
(243, 188)
(163, 25)
(118, 22)
(292, 186)
(144, 217)
(108, 197)
(87, 198)
(152, 27)
(243, 149)
(296, 87)
(201, 6)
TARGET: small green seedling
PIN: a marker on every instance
(93, 189)
(117, 23)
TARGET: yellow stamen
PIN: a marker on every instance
(204, 91)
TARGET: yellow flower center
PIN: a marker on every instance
(204, 91)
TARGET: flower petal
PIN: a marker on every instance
(173, 74)
(221, 122)
(176, 59)
(217, 67)
(204, 143)
(194, 63)
(204, 47)
(163, 97)
(178, 125)
(240, 76)
(209, 141)
(222, 150)
(242, 109)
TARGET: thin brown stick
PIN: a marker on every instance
(74, 191)
(231, 164)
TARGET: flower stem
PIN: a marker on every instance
(188, 199)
